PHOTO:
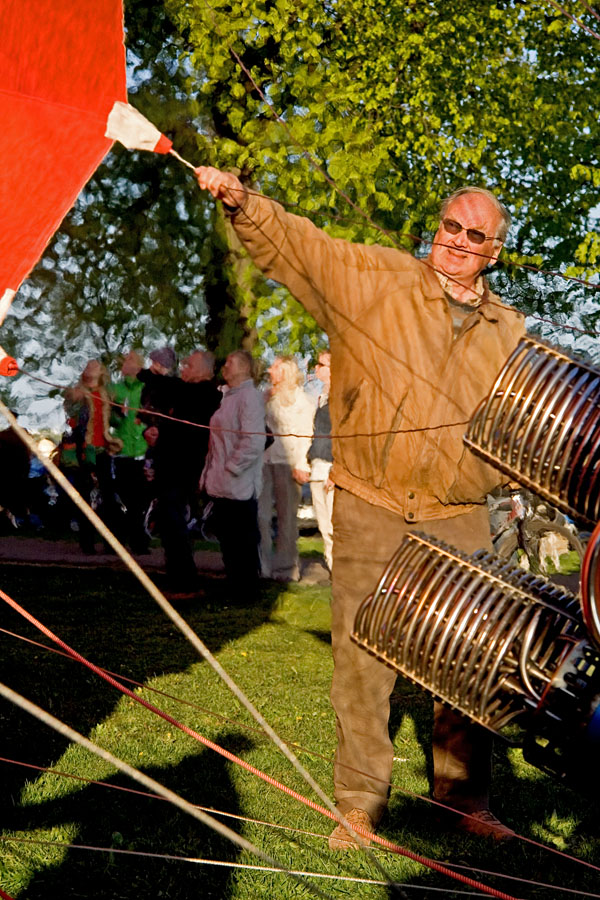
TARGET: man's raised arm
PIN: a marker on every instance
(332, 278)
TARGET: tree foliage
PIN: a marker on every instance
(142, 258)
(399, 101)
(402, 101)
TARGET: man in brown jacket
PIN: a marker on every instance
(415, 346)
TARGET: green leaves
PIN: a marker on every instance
(401, 103)
(398, 102)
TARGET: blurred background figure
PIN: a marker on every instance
(41, 491)
(320, 459)
(14, 474)
(289, 412)
(178, 454)
(88, 450)
(130, 484)
(150, 499)
(232, 475)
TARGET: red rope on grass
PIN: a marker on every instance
(383, 842)
(276, 825)
(291, 743)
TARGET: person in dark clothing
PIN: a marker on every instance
(14, 472)
(156, 392)
(179, 458)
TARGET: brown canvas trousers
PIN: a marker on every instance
(365, 538)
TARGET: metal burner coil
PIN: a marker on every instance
(477, 632)
(540, 425)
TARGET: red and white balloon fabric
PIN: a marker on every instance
(62, 84)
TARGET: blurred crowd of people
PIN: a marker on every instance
(173, 451)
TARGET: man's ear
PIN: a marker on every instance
(495, 254)
(493, 258)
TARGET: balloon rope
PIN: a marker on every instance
(296, 746)
(181, 159)
(236, 865)
(66, 731)
(334, 814)
(70, 733)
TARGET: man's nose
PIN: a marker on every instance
(460, 239)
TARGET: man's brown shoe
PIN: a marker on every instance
(340, 839)
(483, 823)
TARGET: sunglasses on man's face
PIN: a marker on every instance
(475, 236)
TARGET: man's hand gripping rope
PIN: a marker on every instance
(223, 186)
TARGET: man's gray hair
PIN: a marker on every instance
(208, 361)
(505, 216)
(247, 360)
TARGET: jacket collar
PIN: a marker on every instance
(488, 306)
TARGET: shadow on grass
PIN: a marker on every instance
(532, 803)
(112, 621)
(324, 636)
(109, 818)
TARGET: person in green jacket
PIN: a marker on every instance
(130, 484)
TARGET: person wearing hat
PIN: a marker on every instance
(156, 391)
(164, 361)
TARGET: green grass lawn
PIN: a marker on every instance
(279, 654)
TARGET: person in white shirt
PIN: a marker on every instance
(289, 413)
(320, 460)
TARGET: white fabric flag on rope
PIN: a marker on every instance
(128, 126)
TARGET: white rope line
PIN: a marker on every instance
(289, 828)
(183, 626)
(394, 787)
(266, 824)
(299, 872)
(181, 159)
(429, 863)
(235, 865)
(142, 778)
(244, 726)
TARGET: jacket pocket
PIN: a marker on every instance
(474, 479)
(367, 425)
